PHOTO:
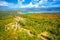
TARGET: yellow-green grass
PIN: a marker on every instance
(32, 27)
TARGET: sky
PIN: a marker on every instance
(29, 3)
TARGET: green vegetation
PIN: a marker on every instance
(14, 26)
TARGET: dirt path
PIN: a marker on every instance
(16, 26)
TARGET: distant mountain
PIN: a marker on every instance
(6, 8)
(41, 9)
(51, 9)
(3, 8)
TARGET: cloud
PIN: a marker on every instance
(37, 4)
(3, 3)
(9, 5)
(30, 5)
(56, 0)
(35, 1)
(20, 5)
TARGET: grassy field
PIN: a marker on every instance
(40, 26)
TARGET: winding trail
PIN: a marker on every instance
(16, 25)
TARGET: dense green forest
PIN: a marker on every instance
(38, 26)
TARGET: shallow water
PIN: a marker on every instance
(31, 12)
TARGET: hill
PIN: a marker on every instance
(14, 26)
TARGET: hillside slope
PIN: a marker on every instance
(30, 27)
